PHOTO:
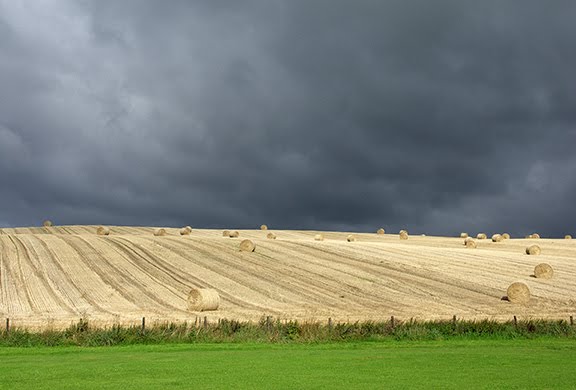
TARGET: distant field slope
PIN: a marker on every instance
(55, 275)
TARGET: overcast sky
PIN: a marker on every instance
(434, 116)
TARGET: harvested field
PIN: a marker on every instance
(52, 276)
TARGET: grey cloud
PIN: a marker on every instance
(433, 116)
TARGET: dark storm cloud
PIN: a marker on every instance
(433, 116)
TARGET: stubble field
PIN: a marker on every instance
(52, 276)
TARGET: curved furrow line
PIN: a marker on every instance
(278, 265)
(547, 247)
(83, 230)
(56, 230)
(342, 279)
(54, 300)
(429, 286)
(482, 265)
(11, 298)
(95, 289)
(143, 262)
(235, 284)
(551, 248)
(31, 230)
(117, 277)
(443, 278)
(185, 279)
(3, 281)
(131, 230)
(23, 285)
(288, 280)
(75, 291)
(361, 273)
(120, 230)
(321, 284)
(406, 268)
(427, 258)
(306, 279)
(402, 283)
(47, 230)
(459, 263)
(142, 231)
(475, 255)
(480, 272)
(235, 267)
(231, 272)
(3, 284)
(59, 279)
(72, 230)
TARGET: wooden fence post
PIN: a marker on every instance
(392, 322)
(454, 321)
(330, 324)
(143, 324)
(571, 320)
(205, 322)
(515, 322)
(7, 325)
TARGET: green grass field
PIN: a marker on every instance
(537, 363)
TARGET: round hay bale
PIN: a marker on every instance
(203, 299)
(481, 236)
(463, 235)
(185, 231)
(102, 230)
(380, 231)
(505, 236)
(497, 237)
(319, 237)
(160, 232)
(247, 246)
(469, 242)
(350, 238)
(403, 231)
(567, 237)
(535, 235)
(403, 235)
(533, 250)
(263, 227)
(271, 236)
(543, 271)
(47, 223)
(234, 234)
(518, 292)
(226, 233)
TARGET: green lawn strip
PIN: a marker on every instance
(536, 363)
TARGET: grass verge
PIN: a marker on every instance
(268, 331)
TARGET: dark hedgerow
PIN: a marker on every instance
(268, 330)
